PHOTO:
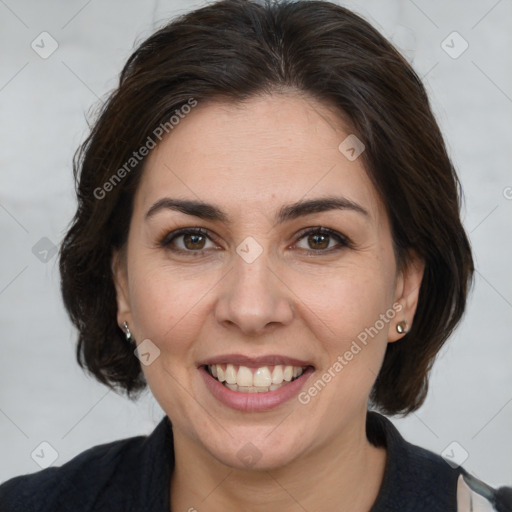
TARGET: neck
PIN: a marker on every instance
(343, 474)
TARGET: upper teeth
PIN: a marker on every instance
(264, 376)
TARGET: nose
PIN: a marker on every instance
(253, 298)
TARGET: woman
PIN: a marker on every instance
(258, 239)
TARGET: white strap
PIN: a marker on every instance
(470, 501)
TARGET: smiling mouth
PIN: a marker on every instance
(243, 379)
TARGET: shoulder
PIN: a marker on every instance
(415, 478)
(83, 476)
(104, 477)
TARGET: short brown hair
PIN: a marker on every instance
(233, 50)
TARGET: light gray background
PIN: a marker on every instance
(44, 396)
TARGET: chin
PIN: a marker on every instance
(252, 448)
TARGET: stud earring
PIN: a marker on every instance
(401, 327)
(127, 332)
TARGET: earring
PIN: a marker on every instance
(127, 332)
(401, 327)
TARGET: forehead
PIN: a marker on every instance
(259, 154)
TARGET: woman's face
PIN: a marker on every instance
(260, 287)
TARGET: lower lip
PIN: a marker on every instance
(254, 402)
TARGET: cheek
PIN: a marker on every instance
(349, 313)
(345, 300)
(168, 308)
(165, 301)
(341, 313)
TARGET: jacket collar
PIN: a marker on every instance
(414, 478)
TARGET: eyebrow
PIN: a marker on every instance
(286, 213)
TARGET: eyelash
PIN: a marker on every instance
(342, 240)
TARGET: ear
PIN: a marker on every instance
(407, 290)
(120, 276)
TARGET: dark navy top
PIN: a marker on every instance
(134, 475)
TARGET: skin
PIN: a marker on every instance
(298, 298)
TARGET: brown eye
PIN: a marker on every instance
(193, 241)
(187, 240)
(323, 240)
(318, 241)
